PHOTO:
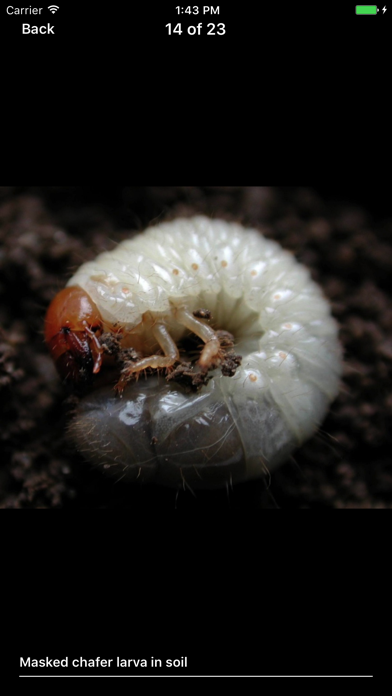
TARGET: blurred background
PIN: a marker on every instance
(342, 234)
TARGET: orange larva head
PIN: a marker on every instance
(71, 324)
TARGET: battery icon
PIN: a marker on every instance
(366, 9)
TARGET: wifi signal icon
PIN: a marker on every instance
(53, 8)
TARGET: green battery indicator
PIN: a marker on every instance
(366, 9)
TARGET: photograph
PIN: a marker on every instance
(195, 348)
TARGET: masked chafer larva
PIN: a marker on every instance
(214, 419)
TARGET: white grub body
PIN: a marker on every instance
(282, 326)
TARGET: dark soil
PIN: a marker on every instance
(46, 233)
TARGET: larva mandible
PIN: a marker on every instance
(151, 292)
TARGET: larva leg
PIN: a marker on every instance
(170, 350)
(211, 350)
(167, 344)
